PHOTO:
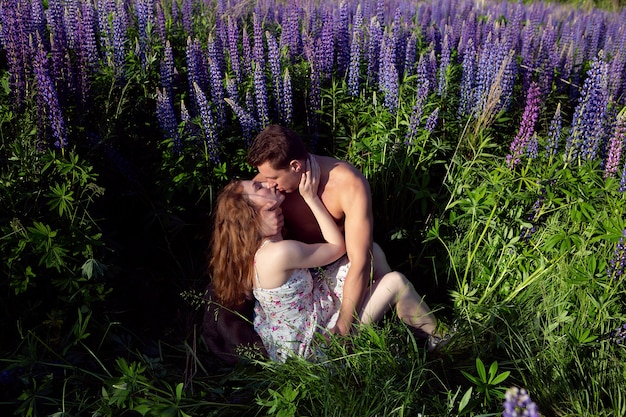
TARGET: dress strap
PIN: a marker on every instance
(256, 274)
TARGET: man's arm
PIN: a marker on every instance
(357, 205)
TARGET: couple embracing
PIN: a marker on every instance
(297, 239)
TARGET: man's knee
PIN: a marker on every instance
(381, 267)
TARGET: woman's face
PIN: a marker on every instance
(260, 193)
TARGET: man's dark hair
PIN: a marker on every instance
(277, 145)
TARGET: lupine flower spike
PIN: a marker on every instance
(517, 403)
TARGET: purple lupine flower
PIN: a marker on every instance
(532, 147)
(325, 45)
(527, 125)
(246, 61)
(187, 16)
(388, 75)
(161, 25)
(49, 99)
(167, 118)
(145, 16)
(231, 89)
(215, 81)
(208, 125)
(249, 125)
(410, 55)
(15, 43)
(618, 336)
(517, 402)
(354, 70)
(233, 51)
(587, 128)
(431, 122)
(258, 50)
(260, 94)
(87, 48)
(119, 40)
(273, 59)
(373, 49)
(416, 115)
(342, 35)
(618, 261)
(442, 86)
(287, 106)
(167, 69)
(398, 39)
(466, 102)
(290, 36)
(554, 133)
(616, 145)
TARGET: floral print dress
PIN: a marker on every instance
(288, 316)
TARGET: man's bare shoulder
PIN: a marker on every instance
(342, 173)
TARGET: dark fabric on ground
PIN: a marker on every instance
(227, 332)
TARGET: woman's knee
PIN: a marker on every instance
(381, 267)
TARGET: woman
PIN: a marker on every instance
(291, 304)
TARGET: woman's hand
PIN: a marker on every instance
(309, 181)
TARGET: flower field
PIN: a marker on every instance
(493, 135)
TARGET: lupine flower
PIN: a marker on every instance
(287, 106)
(290, 36)
(587, 124)
(160, 22)
(325, 45)
(167, 69)
(50, 102)
(527, 126)
(233, 50)
(231, 89)
(618, 261)
(187, 16)
(616, 145)
(416, 114)
(388, 75)
(260, 94)
(373, 49)
(618, 336)
(444, 63)
(273, 59)
(167, 117)
(215, 77)
(249, 125)
(410, 55)
(468, 77)
(343, 38)
(354, 70)
(208, 125)
(554, 133)
(517, 403)
(431, 122)
(532, 147)
(246, 52)
(398, 39)
(258, 51)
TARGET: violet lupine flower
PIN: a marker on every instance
(15, 43)
(290, 36)
(273, 59)
(287, 101)
(373, 50)
(466, 102)
(444, 63)
(398, 39)
(48, 95)
(532, 147)
(145, 16)
(618, 336)
(258, 50)
(215, 81)
(160, 22)
(232, 91)
(354, 70)
(517, 403)
(246, 61)
(86, 49)
(343, 39)
(587, 124)
(618, 261)
(187, 16)
(167, 118)
(249, 125)
(233, 51)
(416, 115)
(616, 145)
(325, 45)
(260, 94)
(410, 55)
(554, 133)
(38, 16)
(431, 122)
(388, 75)
(208, 124)
(527, 125)
(167, 69)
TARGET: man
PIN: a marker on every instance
(278, 153)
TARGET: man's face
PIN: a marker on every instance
(285, 180)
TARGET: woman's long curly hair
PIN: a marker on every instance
(236, 238)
